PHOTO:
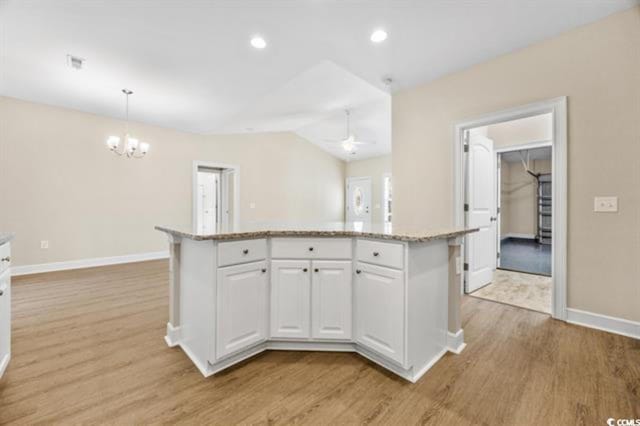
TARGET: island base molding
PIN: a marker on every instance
(412, 374)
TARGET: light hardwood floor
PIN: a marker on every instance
(88, 348)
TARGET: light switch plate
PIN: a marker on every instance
(605, 204)
(252, 205)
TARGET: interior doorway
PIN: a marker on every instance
(208, 201)
(511, 185)
(215, 197)
(525, 225)
(358, 203)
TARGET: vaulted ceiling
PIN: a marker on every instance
(192, 67)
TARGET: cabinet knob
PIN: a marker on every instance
(1, 292)
(245, 251)
(264, 270)
(358, 271)
(305, 270)
(310, 248)
(6, 259)
(316, 270)
(376, 254)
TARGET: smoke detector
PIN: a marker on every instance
(75, 62)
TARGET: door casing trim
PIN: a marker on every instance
(558, 108)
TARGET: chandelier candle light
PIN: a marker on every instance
(131, 147)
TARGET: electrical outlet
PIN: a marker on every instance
(252, 205)
(44, 244)
(605, 204)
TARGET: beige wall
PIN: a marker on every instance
(538, 128)
(597, 68)
(58, 182)
(518, 197)
(375, 168)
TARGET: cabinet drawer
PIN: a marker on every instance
(379, 253)
(311, 248)
(234, 252)
(5, 257)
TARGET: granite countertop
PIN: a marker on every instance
(5, 237)
(328, 229)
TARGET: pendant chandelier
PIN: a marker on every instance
(130, 146)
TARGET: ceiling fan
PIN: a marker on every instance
(349, 143)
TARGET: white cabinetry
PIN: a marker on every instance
(5, 307)
(331, 300)
(385, 300)
(380, 311)
(242, 296)
(290, 298)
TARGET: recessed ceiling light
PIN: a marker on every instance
(258, 42)
(379, 36)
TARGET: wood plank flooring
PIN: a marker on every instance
(88, 349)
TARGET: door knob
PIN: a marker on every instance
(376, 254)
(245, 251)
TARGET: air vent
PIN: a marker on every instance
(75, 62)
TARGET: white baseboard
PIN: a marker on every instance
(455, 341)
(4, 363)
(514, 235)
(603, 322)
(87, 263)
(173, 335)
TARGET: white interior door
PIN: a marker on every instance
(480, 247)
(207, 202)
(358, 201)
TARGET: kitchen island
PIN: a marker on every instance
(392, 296)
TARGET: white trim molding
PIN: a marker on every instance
(455, 341)
(4, 363)
(87, 263)
(558, 108)
(173, 336)
(606, 323)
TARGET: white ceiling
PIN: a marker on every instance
(191, 67)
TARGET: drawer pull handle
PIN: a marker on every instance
(376, 254)
(310, 248)
(358, 271)
(305, 270)
(316, 270)
(6, 259)
(245, 251)
(264, 270)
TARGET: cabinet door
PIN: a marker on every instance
(331, 300)
(379, 294)
(241, 318)
(5, 316)
(290, 298)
